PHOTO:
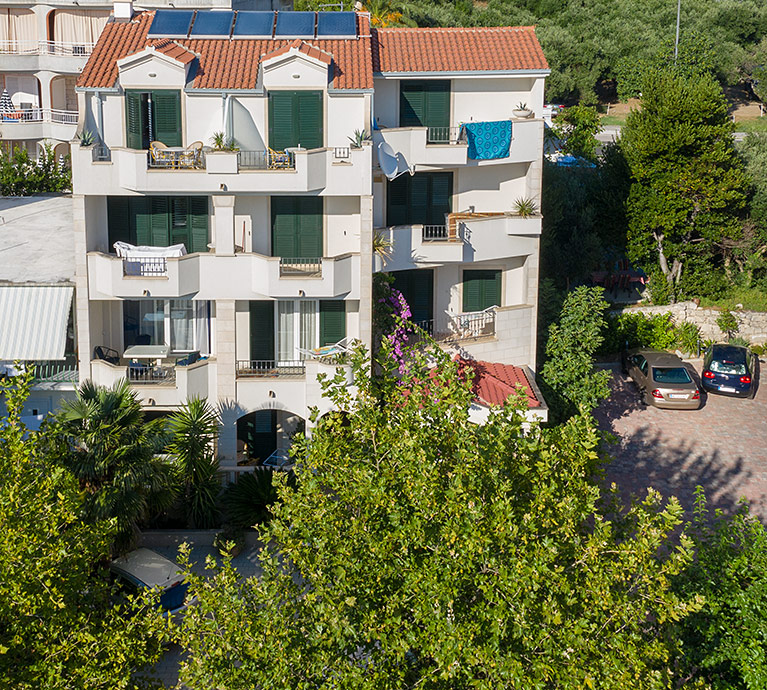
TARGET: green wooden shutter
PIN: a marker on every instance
(282, 126)
(397, 193)
(417, 287)
(133, 124)
(308, 112)
(332, 321)
(418, 207)
(141, 213)
(481, 289)
(284, 226)
(160, 221)
(440, 192)
(166, 108)
(119, 220)
(309, 228)
(438, 104)
(259, 431)
(198, 224)
(262, 330)
(412, 104)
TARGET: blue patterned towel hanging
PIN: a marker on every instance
(488, 140)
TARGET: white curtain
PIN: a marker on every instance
(285, 331)
(23, 91)
(308, 334)
(18, 25)
(182, 325)
(78, 26)
(202, 317)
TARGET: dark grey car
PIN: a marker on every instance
(662, 378)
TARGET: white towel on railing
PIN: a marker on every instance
(131, 251)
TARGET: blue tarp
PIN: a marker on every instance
(488, 140)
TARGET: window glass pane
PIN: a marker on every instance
(308, 336)
(285, 329)
(181, 325)
(143, 322)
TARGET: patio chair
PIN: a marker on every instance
(160, 157)
(192, 156)
(107, 354)
(278, 160)
(338, 348)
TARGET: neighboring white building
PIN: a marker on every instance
(278, 236)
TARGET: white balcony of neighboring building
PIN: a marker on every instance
(447, 146)
(340, 170)
(210, 276)
(161, 385)
(467, 238)
(39, 123)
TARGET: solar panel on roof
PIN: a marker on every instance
(336, 24)
(294, 24)
(212, 23)
(171, 23)
(253, 24)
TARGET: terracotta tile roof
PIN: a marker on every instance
(303, 47)
(493, 383)
(175, 50)
(225, 63)
(457, 49)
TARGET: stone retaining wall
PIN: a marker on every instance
(753, 324)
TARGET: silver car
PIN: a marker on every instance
(662, 378)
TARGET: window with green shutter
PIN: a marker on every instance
(332, 321)
(417, 287)
(262, 330)
(424, 198)
(295, 119)
(297, 227)
(424, 103)
(481, 289)
(152, 116)
(159, 221)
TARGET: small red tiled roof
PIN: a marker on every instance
(468, 49)
(494, 383)
(303, 47)
(175, 50)
(226, 63)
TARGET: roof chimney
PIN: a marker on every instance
(123, 10)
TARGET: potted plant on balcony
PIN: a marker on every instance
(525, 207)
(522, 111)
(359, 138)
(223, 158)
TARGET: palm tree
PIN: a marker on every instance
(115, 455)
(195, 428)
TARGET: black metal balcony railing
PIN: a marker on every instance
(145, 266)
(165, 159)
(253, 368)
(443, 135)
(266, 160)
(300, 266)
(156, 375)
(434, 233)
(61, 371)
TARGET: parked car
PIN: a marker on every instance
(147, 569)
(662, 378)
(729, 370)
(279, 460)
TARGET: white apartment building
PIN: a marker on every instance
(43, 48)
(236, 267)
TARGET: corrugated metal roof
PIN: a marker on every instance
(33, 321)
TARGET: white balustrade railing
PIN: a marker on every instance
(60, 117)
(57, 48)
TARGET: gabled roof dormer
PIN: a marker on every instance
(165, 64)
(298, 65)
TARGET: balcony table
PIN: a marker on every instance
(157, 352)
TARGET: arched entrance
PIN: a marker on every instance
(261, 432)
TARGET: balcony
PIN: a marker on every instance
(342, 171)
(208, 276)
(53, 56)
(164, 385)
(39, 123)
(447, 147)
(264, 368)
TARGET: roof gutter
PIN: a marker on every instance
(469, 73)
(97, 89)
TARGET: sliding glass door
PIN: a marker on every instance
(183, 325)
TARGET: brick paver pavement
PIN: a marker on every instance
(722, 447)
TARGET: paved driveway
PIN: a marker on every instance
(722, 447)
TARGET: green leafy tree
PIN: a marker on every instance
(419, 550)
(570, 381)
(576, 128)
(725, 642)
(58, 627)
(727, 322)
(116, 456)
(194, 429)
(21, 175)
(689, 187)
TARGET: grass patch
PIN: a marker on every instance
(752, 299)
(757, 125)
(619, 120)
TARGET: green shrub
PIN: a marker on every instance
(758, 350)
(728, 323)
(634, 329)
(688, 337)
(739, 340)
(21, 175)
(247, 501)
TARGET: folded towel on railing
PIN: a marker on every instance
(488, 140)
(131, 251)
